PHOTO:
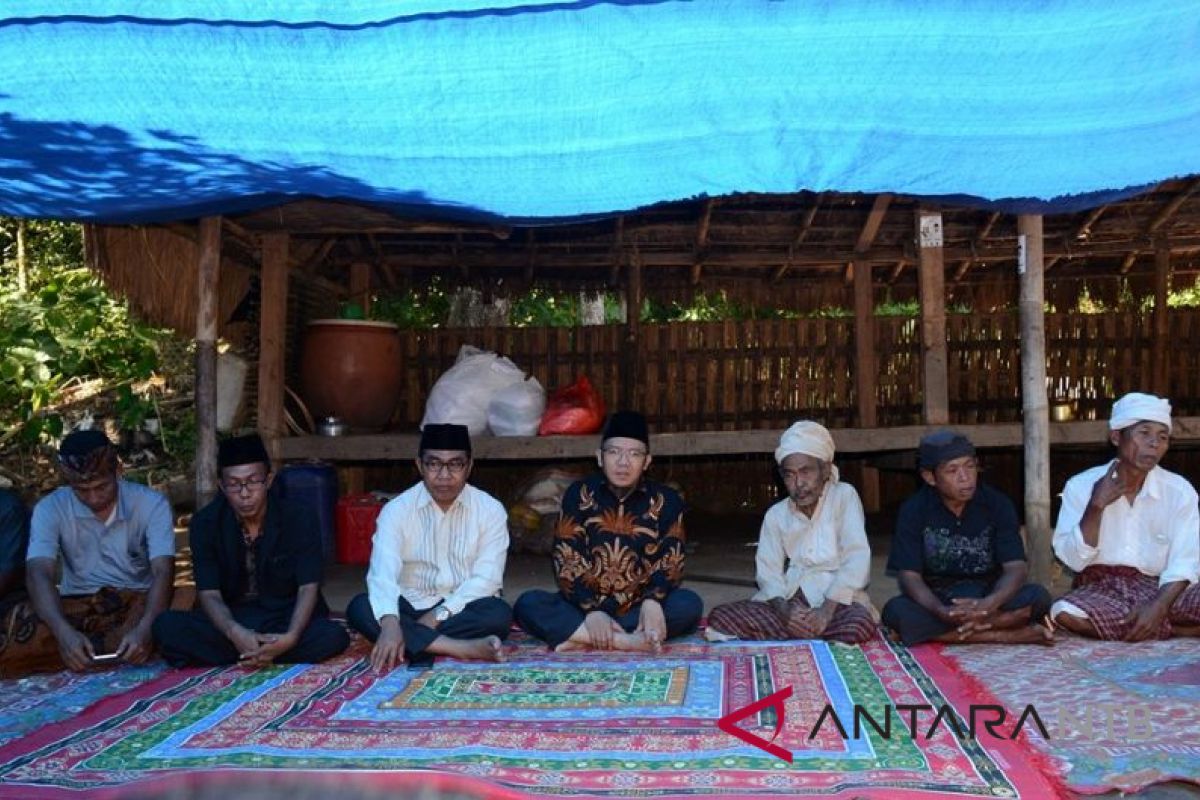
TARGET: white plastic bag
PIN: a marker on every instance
(462, 394)
(516, 410)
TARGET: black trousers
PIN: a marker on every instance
(552, 618)
(190, 638)
(915, 624)
(487, 616)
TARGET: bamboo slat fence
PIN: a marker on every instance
(768, 373)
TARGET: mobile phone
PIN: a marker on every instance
(105, 657)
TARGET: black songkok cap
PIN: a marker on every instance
(941, 446)
(82, 443)
(626, 424)
(445, 436)
(241, 450)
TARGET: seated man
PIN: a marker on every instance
(115, 541)
(1131, 530)
(959, 557)
(437, 564)
(813, 561)
(618, 556)
(14, 539)
(257, 561)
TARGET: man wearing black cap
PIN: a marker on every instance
(618, 556)
(115, 543)
(958, 556)
(437, 564)
(257, 561)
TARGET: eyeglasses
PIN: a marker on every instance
(250, 485)
(620, 454)
(454, 466)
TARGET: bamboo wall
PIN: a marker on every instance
(764, 374)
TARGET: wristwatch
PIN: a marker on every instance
(441, 613)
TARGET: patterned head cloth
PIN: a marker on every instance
(85, 456)
(1135, 407)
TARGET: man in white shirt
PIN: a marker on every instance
(1131, 531)
(813, 560)
(437, 564)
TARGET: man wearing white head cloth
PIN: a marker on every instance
(813, 560)
(1131, 531)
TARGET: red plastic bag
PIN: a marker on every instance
(573, 410)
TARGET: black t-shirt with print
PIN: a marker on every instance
(944, 548)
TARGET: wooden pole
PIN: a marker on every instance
(209, 276)
(360, 285)
(865, 373)
(934, 353)
(633, 325)
(1034, 402)
(273, 339)
(1162, 327)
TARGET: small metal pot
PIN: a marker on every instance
(1062, 410)
(332, 426)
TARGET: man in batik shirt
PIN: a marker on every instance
(618, 556)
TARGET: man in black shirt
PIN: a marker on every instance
(959, 559)
(257, 561)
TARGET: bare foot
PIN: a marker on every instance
(637, 642)
(483, 649)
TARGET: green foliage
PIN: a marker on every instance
(63, 328)
(428, 308)
(543, 308)
(1186, 296)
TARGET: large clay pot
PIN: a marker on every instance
(351, 369)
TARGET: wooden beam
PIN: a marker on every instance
(801, 235)
(932, 289)
(1168, 211)
(273, 339)
(1127, 262)
(1085, 229)
(403, 446)
(897, 271)
(310, 265)
(1162, 323)
(865, 377)
(208, 277)
(1035, 406)
(701, 247)
(984, 233)
(631, 377)
(360, 285)
(617, 252)
(530, 255)
(870, 228)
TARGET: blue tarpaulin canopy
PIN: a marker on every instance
(149, 111)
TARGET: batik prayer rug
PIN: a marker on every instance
(1118, 715)
(546, 724)
(27, 704)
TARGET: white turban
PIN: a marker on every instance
(1135, 407)
(808, 438)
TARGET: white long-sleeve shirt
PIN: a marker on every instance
(1159, 534)
(826, 555)
(428, 555)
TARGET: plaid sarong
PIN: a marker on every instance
(1108, 593)
(752, 620)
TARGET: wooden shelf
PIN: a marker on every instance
(403, 446)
